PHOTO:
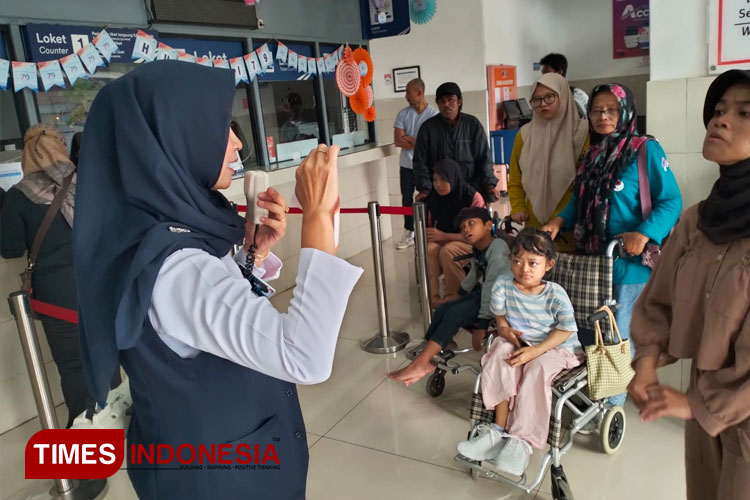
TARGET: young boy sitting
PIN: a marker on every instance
(491, 259)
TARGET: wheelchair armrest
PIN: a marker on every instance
(463, 257)
(598, 316)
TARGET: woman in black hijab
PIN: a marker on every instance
(450, 194)
(210, 361)
(696, 306)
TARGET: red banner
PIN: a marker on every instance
(75, 453)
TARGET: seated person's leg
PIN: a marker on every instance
(529, 421)
(453, 272)
(445, 324)
(499, 385)
(434, 270)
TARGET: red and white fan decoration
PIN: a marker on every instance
(353, 78)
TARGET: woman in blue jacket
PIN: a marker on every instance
(606, 201)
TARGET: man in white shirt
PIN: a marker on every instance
(558, 63)
(405, 130)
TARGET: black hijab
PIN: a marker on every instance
(444, 209)
(153, 147)
(725, 215)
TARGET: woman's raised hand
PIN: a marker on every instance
(317, 191)
(317, 177)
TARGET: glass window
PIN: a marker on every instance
(348, 129)
(11, 139)
(288, 101)
(67, 108)
(225, 49)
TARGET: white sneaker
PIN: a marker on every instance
(514, 456)
(485, 445)
(406, 241)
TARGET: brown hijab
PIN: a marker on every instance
(551, 149)
(46, 164)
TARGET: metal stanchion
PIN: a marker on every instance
(66, 489)
(386, 341)
(420, 251)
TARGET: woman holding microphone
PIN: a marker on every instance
(210, 360)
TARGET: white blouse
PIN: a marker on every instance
(202, 303)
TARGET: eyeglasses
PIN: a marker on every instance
(610, 112)
(547, 99)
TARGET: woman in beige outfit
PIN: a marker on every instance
(696, 306)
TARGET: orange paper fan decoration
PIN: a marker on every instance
(364, 62)
(358, 101)
(348, 55)
(370, 114)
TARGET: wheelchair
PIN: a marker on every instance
(588, 282)
(445, 361)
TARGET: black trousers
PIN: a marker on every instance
(65, 345)
(407, 195)
(451, 316)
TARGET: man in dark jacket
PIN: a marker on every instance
(458, 136)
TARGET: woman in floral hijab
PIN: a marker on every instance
(606, 201)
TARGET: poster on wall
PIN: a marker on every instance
(630, 28)
(382, 18)
(728, 35)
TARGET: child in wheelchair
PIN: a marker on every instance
(490, 260)
(536, 341)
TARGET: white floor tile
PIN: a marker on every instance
(355, 374)
(366, 474)
(373, 438)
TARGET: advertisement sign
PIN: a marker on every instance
(502, 86)
(381, 18)
(728, 35)
(630, 28)
(51, 41)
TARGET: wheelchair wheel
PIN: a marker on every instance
(560, 488)
(612, 429)
(436, 383)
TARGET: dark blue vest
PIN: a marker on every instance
(209, 401)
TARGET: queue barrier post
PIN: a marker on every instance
(420, 254)
(386, 340)
(63, 489)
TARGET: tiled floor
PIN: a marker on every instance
(372, 438)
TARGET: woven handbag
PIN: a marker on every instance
(609, 369)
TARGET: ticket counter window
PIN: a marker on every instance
(288, 101)
(68, 108)
(11, 138)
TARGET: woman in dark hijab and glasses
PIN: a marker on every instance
(696, 307)
(210, 361)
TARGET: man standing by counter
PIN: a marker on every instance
(405, 129)
(458, 136)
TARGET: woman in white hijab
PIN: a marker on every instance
(545, 156)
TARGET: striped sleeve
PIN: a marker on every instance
(563, 309)
(497, 300)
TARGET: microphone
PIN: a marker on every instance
(256, 182)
